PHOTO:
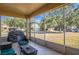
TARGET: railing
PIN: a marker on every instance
(57, 47)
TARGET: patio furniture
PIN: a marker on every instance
(23, 43)
(28, 50)
(12, 37)
(21, 39)
(6, 49)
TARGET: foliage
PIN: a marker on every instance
(15, 22)
(55, 18)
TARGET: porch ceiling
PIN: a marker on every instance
(25, 9)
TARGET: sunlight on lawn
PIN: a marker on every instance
(72, 38)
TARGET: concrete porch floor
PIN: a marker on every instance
(41, 49)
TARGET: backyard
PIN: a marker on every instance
(71, 38)
(53, 24)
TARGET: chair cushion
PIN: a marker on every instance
(8, 52)
(22, 42)
(5, 45)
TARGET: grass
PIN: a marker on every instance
(72, 38)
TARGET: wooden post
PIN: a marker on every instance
(28, 32)
(0, 26)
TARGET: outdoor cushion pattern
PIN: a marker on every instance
(22, 42)
(8, 52)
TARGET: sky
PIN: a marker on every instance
(38, 18)
(76, 5)
(3, 17)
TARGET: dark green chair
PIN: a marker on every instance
(22, 42)
(6, 49)
(21, 39)
(9, 51)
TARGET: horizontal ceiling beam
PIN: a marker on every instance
(45, 8)
(8, 11)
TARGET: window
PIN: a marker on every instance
(39, 27)
(60, 25)
(12, 22)
(4, 27)
(72, 25)
(55, 26)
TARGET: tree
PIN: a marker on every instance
(55, 19)
(15, 22)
